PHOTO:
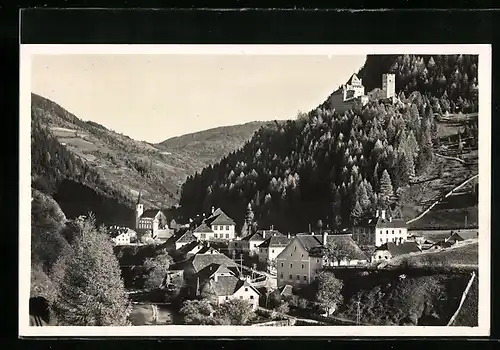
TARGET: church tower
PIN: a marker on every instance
(389, 85)
(139, 209)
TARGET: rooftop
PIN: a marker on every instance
(314, 245)
(275, 241)
(187, 237)
(400, 249)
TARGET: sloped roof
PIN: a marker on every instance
(382, 223)
(314, 245)
(203, 228)
(404, 248)
(221, 219)
(465, 235)
(286, 289)
(187, 237)
(208, 250)
(150, 213)
(186, 249)
(254, 236)
(275, 241)
(394, 223)
(226, 285)
(200, 261)
(353, 78)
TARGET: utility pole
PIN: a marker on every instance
(358, 314)
(241, 264)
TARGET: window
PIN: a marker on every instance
(305, 278)
(281, 264)
(298, 278)
(399, 231)
(260, 250)
(386, 232)
(203, 236)
(317, 260)
(246, 289)
(241, 296)
(302, 265)
(301, 255)
(386, 258)
(392, 231)
(227, 298)
(272, 251)
(290, 277)
(294, 249)
(290, 265)
(255, 245)
(227, 228)
(381, 240)
(215, 235)
(281, 276)
(227, 235)
(251, 296)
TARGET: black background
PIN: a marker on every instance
(211, 26)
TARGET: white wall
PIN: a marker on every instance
(250, 295)
(294, 260)
(385, 235)
(226, 230)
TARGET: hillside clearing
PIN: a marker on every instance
(463, 256)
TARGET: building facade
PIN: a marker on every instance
(219, 226)
(389, 85)
(307, 254)
(380, 230)
(151, 221)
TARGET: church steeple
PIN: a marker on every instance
(139, 198)
(139, 209)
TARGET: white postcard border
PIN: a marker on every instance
(484, 79)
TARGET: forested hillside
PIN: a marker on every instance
(450, 78)
(331, 167)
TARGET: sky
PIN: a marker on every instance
(155, 97)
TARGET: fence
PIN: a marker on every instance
(439, 200)
(464, 295)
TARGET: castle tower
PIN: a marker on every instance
(389, 85)
(139, 209)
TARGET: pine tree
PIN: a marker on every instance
(336, 208)
(356, 213)
(386, 190)
(249, 216)
(362, 197)
(90, 289)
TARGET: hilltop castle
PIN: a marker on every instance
(354, 92)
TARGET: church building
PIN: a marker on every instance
(151, 221)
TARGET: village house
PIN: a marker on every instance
(459, 236)
(249, 245)
(271, 248)
(185, 239)
(221, 285)
(152, 221)
(380, 230)
(390, 250)
(193, 265)
(307, 254)
(197, 247)
(121, 235)
(218, 226)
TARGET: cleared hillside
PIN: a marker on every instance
(209, 146)
(129, 166)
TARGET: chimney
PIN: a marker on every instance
(325, 237)
(264, 234)
(376, 214)
(213, 209)
(288, 235)
(312, 233)
(390, 218)
(383, 214)
(272, 227)
(215, 277)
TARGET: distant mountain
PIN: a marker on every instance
(108, 169)
(209, 146)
